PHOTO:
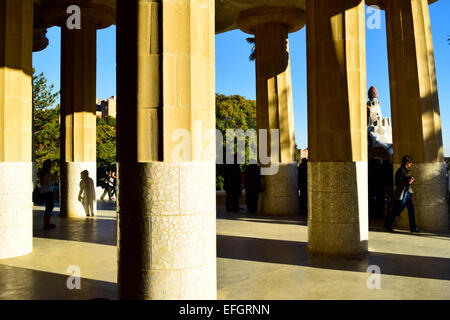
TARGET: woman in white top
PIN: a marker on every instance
(46, 182)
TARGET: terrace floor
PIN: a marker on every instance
(257, 258)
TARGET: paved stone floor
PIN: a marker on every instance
(257, 258)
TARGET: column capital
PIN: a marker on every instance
(293, 17)
(40, 40)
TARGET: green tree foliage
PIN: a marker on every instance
(45, 121)
(106, 146)
(233, 112)
(252, 56)
(44, 96)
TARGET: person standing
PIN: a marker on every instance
(253, 186)
(402, 196)
(303, 184)
(46, 180)
(87, 193)
(232, 185)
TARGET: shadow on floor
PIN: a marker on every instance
(243, 215)
(296, 253)
(26, 284)
(94, 229)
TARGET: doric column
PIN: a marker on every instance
(166, 202)
(271, 26)
(78, 120)
(337, 127)
(415, 109)
(16, 218)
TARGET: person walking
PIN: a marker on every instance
(110, 187)
(46, 180)
(402, 196)
(112, 184)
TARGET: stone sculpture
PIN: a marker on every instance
(379, 129)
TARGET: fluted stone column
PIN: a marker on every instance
(337, 127)
(271, 26)
(415, 109)
(16, 218)
(166, 203)
(78, 120)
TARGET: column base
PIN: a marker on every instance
(280, 196)
(167, 231)
(16, 209)
(430, 197)
(70, 189)
(338, 207)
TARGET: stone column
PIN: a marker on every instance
(166, 202)
(271, 26)
(415, 109)
(78, 119)
(16, 215)
(337, 127)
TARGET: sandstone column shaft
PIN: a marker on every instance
(337, 132)
(166, 207)
(415, 109)
(78, 120)
(16, 218)
(275, 111)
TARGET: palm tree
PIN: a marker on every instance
(252, 55)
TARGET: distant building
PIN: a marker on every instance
(106, 108)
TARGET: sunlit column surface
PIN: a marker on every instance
(416, 118)
(166, 207)
(16, 34)
(78, 119)
(271, 26)
(337, 127)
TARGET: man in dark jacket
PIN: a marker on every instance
(253, 186)
(303, 184)
(402, 196)
(232, 185)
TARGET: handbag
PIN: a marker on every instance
(37, 197)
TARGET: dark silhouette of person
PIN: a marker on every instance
(253, 187)
(110, 185)
(387, 169)
(402, 196)
(87, 193)
(46, 180)
(232, 185)
(376, 188)
(303, 184)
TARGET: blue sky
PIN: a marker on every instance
(235, 74)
